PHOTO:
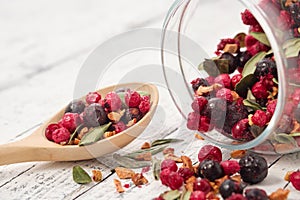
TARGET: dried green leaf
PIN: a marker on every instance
(245, 83)
(290, 43)
(165, 141)
(275, 81)
(80, 176)
(296, 134)
(153, 150)
(250, 96)
(130, 163)
(74, 133)
(293, 51)
(215, 66)
(185, 194)
(94, 135)
(256, 130)
(171, 195)
(251, 104)
(241, 38)
(285, 139)
(250, 65)
(156, 168)
(262, 37)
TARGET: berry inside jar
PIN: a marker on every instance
(238, 98)
(95, 116)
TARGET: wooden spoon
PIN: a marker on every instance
(36, 147)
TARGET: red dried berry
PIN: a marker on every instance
(256, 28)
(236, 197)
(210, 152)
(49, 130)
(144, 106)
(92, 97)
(240, 129)
(61, 135)
(193, 121)
(70, 121)
(170, 164)
(197, 195)
(175, 181)
(164, 176)
(202, 185)
(225, 41)
(204, 124)
(223, 79)
(230, 167)
(199, 103)
(254, 46)
(235, 79)
(295, 179)
(225, 93)
(248, 18)
(119, 127)
(185, 173)
(132, 98)
(285, 20)
(199, 82)
(112, 101)
(271, 105)
(259, 118)
(259, 90)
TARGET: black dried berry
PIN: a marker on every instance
(211, 170)
(199, 82)
(235, 112)
(231, 61)
(94, 115)
(256, 194)
(75, 106)
(264, 67)
(216, 111)
(228, 187)
(242, 58)
(254, 168)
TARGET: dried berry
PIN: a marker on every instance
(170, 164)
(259, 118)
(70, 121)
(112, 102)
(254, 168)
(185, 173)
(264, 67)
(228, 187)
(241, 130)
(248, 18)
(144, 105)
(256, 194)
(61, 135)
(235, 112)
(230, 167)
(199, 82)
(271, 105)
(259, 90)
(132, 98)
(199, 103)
(118, 127)
(210, 152)
(236, 197)
(94, 115)
(193, 121)
(164, 176)
(295, 179)
(75, 106)
(242, 58)
(235, 79)
(197, 195)
(210, 169)
(175, 181)
(225, 93)
(231, 61)
(202, 185)
(223, 79)
(216, 111)
(92, 97)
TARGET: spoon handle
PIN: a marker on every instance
(16, 152)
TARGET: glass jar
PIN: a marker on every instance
(234, 84)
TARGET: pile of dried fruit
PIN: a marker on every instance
(214, 177)
(240, 95)
(88, 120)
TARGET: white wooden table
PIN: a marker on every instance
(42, 47)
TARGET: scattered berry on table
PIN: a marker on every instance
(170, 164)
(256, 194)
(164, 176)
(92, 97)
(236, 197)
(254, 168)
(230, 167)
(228, 187)
(210, 152)
(185, 173)
(202, 185)
(295, 179)
(175, 181)
(210, 169)
(197, 195)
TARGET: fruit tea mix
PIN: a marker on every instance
(88, 120)
(239, 96)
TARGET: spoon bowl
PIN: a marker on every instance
(36, 147)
